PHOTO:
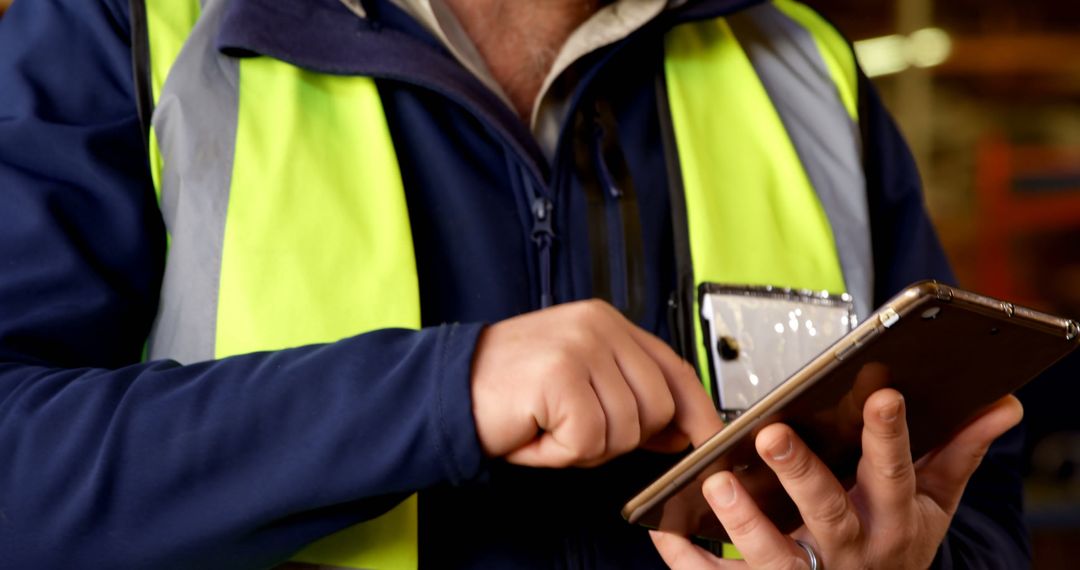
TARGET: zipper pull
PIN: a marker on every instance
(543, 235)
(541, 210)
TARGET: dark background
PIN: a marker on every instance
(995, 128)
(996, 131)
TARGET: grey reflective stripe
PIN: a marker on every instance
(793, 72)
(195, 123)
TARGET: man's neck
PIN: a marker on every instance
(519, 39)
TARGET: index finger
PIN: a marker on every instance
(822, 501)
(695, 413)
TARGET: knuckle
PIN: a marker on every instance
(848, 530)
(744, 525)
(627, 431)
(833, 510)
(843, 526)
(686, 372)
(899, 539)
(895, 470)
(595, 442)
(580, 339)
(562, 369)
(626, 442)
(891, 434)
(659, 415)
(591, 310)
(800, 467)
(666, 409)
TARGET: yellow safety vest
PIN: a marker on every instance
(253, 210)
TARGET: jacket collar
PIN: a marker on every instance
(328, 37)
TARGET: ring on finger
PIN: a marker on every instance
(813, 559)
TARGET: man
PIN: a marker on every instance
(280, 329)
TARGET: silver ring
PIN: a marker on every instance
(810, 554)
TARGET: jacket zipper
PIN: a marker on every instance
(542, 232)
(543, 236)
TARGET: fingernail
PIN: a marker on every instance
(890, 412)
(722, 494)
(781, 449)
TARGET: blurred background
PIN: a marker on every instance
(987, 93)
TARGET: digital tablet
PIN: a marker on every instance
(951, 353)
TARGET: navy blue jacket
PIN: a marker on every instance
(107, 461)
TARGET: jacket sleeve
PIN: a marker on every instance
(988, 530)
(110, 462)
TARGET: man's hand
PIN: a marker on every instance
(895, 516)
(578, 384)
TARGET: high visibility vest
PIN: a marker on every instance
(258, 164)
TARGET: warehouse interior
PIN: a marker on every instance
(987, 93)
